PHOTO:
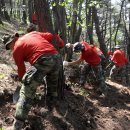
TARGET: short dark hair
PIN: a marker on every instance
(77, 47)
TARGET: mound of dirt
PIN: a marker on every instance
(81, 109)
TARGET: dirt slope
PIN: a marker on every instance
(76, 111)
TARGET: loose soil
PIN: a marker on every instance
(81, 109)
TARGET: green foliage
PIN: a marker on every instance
(69, 24)
(2, 76)
(83, 92)
(96, 3)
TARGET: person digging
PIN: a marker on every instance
(35, 48)
(90, 55)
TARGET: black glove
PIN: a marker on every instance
(15, 77)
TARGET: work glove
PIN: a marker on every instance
(65, 63)
(68, 45)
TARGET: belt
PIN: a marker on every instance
(48, 56)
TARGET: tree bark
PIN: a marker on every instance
(43, 16)
(74, 20)
(99, 34)
(89, 24)
(45, 25)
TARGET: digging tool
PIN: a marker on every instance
(16, 94)
(108, 65)
(17, 91)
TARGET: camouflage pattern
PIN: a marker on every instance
(18, 125)
(46, 65)
(117, 72)
(97, 72)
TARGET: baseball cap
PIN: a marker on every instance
(77, 47)
(117, 46)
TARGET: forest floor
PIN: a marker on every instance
(79, 110)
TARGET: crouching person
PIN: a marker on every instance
(91, 57)
(35, 48)
(119, 61)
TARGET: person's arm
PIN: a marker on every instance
(69, 45)
(19, 60)
(60, 41)
(75, 62)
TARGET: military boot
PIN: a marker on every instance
(18, 125)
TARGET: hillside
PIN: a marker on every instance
(79, 110)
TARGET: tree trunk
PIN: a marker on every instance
(99, 34)
(30, 9)
(45, 25)
(79, 28)
(74, 20)
(60, 19)
(24, 17)
(43, 16)
(89, 24)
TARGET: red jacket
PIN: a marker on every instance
(119, 58)
(34, 18)
(31, 46)
(109, 53)
(90, 54)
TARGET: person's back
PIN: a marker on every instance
(119, 58)
(33, 45)
(36, 48)
(34, 18)
(30, 47)
(90, 55)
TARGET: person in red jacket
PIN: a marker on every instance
(110, 53)
(35, 48)
(90, 55)
(102, 57)
(34, 18)
(119, 59)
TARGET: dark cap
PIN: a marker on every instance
(77, 47)
(8, 39)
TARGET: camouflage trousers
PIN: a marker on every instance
(46, 65)
(118, 71)
(97, 72)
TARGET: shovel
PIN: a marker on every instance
(15, 77)
(16, 94)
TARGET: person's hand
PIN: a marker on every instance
(15, 77)
(68, 45)
(65, 63)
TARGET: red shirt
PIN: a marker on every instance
(90, 54)
(98, 50)
(119, 58)
(30, 47)
(109, 53)
(34, 18)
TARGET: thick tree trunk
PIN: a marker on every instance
(43, 15)
(45, 25)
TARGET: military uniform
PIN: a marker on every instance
(35, 48)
